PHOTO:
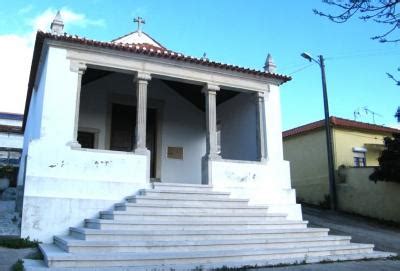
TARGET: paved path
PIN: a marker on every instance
(380, 265)
(361, 230)
(8, 256)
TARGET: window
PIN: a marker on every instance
(359, 158)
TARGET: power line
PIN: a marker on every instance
(363, 55)
(301, 68)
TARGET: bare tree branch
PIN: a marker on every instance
(379, 11)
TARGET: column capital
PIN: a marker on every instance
(78, 67)
(142, 76)
(207, 88)
(260, 94)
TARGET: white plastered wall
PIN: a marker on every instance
(266, 182)
(63, 186)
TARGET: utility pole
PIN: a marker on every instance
(332, 185)
(331, 169)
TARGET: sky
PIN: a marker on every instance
(240, 32)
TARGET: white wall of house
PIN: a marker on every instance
(62, 185)
(238, 127)
(266, 183)
(182, 124)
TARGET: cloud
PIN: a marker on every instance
(26, 9)
(70, 18)
(16, 54)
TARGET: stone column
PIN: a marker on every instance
(79, 68)
(261, 149)
(210, 92)
(141, 80)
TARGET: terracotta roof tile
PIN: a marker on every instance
(338, 122)
(148, 49)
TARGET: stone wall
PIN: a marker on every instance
(357, 194)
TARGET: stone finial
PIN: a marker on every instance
(269, 64)
(57, 25)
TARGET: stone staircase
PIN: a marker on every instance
(186, 227)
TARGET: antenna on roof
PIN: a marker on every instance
(367, 110)
(356, 113)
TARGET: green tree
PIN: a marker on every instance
(389, 161)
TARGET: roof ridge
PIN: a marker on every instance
(338, 122)
(150, 37)
(173, 54)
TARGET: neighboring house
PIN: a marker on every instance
(109, 121)
(11, 139)
(355, 145)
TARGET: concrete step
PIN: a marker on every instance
(182, 187)
(55, 257)
(177, 194)
(39, 265)
(194, 217)
(191, 202)
(163, 235)
(74, 245)
(107, 224)
(138, 208)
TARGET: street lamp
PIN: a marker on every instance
(332, 187)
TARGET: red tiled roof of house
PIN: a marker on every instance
(338, 122)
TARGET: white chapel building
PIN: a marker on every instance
(131, 148)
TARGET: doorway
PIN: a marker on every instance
(123, 123)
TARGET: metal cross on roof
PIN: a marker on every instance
(139, 21)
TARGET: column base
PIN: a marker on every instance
(212, 157)
(142, 151)
(74, 144)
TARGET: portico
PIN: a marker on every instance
(115, 116)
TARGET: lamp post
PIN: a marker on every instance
(332, 187)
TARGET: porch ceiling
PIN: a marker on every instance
(190, 92)
(193, 94)
(94, 74)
